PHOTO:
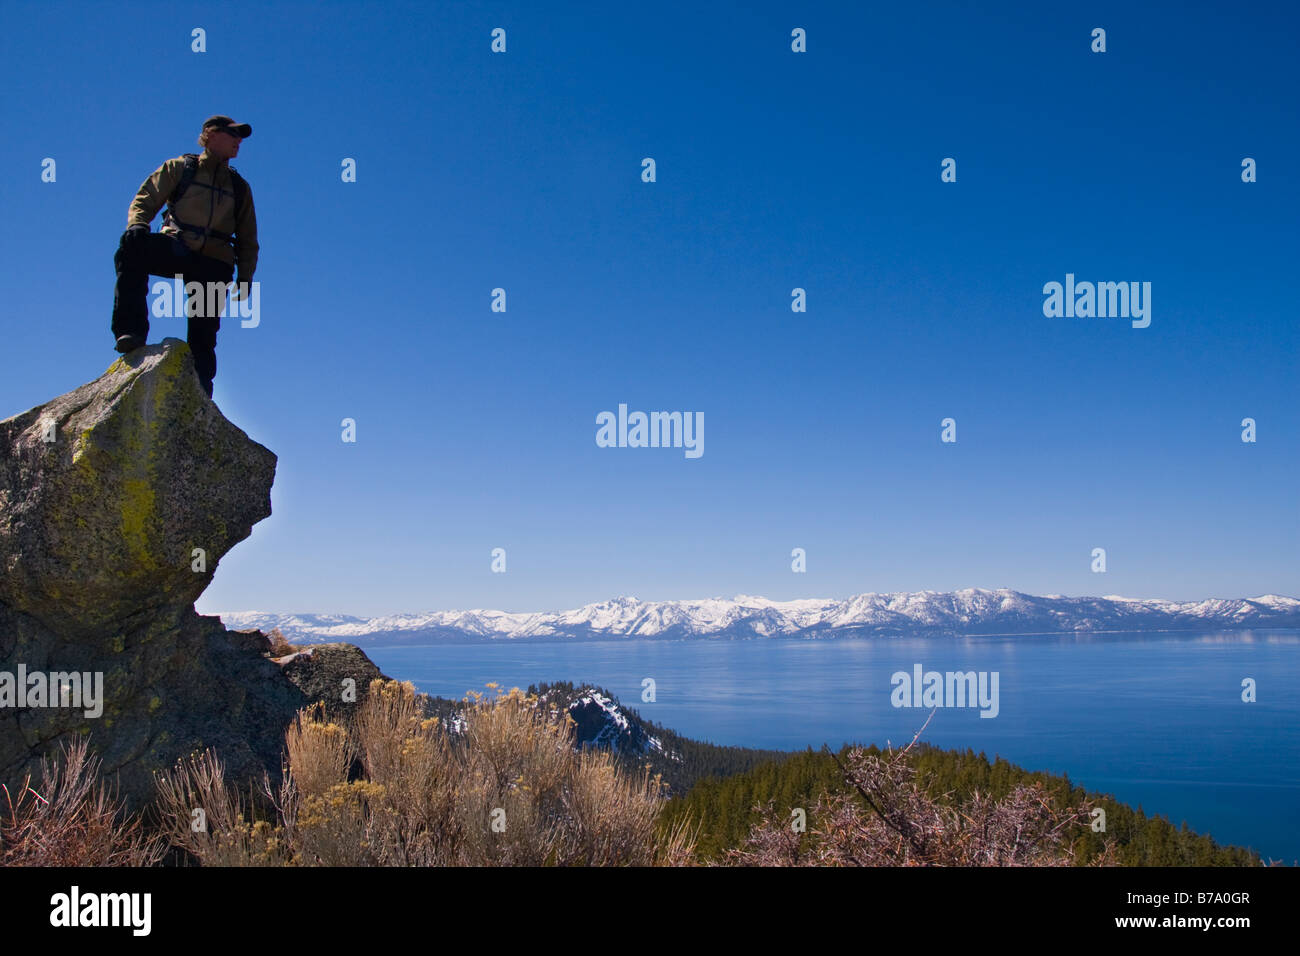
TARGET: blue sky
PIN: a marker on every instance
(775, 170)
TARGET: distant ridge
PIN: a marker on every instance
(924, 613)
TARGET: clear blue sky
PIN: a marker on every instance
(776, 170)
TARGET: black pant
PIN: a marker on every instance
(162, 255)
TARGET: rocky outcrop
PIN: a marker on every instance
(122, 495)
(117, 501)
(338, 675)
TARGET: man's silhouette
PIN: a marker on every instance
(209, 230)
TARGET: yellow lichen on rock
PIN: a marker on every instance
(137, 510)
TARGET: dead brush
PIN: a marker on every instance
(888, 818)
(71, 818)
(508, 790)
(280, 645)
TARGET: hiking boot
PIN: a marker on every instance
(128, 343)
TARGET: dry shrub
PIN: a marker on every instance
(280, 645)
(202, 814)
(419, 821)
(889, 819)
(508, 789)
(71, 818)
(559, 806)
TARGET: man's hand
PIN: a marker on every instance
(238, 287)
(134, 234)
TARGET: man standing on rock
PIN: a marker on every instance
(209, 230)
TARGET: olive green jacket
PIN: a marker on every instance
(208, 203)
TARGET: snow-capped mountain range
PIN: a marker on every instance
(924, 613)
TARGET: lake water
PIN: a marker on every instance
(1155, 719)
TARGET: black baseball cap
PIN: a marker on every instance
(226, 124)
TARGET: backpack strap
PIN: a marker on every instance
(241, 189)
(187, 177)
